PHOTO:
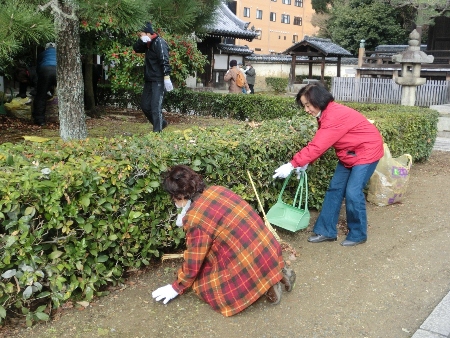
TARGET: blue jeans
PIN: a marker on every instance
(348, 183)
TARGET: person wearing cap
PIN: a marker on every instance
(231, 76)
(156, 75)
(250, 75)
(46, 73)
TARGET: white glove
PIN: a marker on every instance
(299, 170)
(167, 292)
(145, 38)
(283, 171)
(168, 84)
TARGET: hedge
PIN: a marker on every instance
(76, 216)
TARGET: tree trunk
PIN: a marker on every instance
(69, 74)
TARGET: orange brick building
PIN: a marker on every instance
(279, 22)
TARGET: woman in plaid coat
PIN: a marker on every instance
(231, 257)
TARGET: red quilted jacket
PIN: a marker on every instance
(355, 140)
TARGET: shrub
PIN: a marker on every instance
(278, 84)
(75, 216)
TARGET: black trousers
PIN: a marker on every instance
(46, 80)
(151, 104)
(251, 88)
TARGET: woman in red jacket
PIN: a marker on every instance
(358, 145)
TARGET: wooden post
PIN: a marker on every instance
(292, 74)
(338, 71)
(361, 53)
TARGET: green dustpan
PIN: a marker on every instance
(295, 216)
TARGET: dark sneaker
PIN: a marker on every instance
(274, 294)
(288, 279)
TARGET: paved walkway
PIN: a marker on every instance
(437, 325)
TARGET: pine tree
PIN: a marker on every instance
(113, 18)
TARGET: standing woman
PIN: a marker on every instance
(231, 257)
(358, 145)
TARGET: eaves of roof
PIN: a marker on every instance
(233, 49)
(282, 58)
(323, 46)
(228, 25)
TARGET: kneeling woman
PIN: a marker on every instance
(231, 257)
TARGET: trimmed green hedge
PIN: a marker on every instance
(75, 216)
(233, 106)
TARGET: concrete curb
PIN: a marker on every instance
(437, 325)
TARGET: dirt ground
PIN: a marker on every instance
(383, 288)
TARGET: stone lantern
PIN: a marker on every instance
(411, 60)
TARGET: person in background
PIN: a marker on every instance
(157, 72)
(358, 145)
(250, 75)
(231, 257)
(241, 68)
(22, 75)
(231, 76)
(46, 81)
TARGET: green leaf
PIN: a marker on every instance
(2, 312)
(55, 254)
(9, 273)
(30, 211)
(154, 184)
(28, 292)
(42, 316)
(85, 201)
(102, 258)
(88, 227)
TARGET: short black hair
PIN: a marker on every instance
(316, 94)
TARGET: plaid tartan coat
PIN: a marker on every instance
(231, 258)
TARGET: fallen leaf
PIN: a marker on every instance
(83, 303)
(36, 139)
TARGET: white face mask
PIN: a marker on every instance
(179, 221)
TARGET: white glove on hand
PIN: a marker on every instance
(168, 84)
(283, 171)
(145, 38)
(299, 170)
(166, 292)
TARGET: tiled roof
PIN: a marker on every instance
(324, 46)
(283, 58)
(228, 25)
(233, 49)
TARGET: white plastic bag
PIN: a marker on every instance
(389, 182)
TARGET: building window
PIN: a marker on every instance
(285, 18)
(298, 3)
(294, 38)
(247, 12)
(259, 32)
(259, 14)
(274, 0)
(285, 37)
(273, 16)
(297, 20)
(287, 2)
